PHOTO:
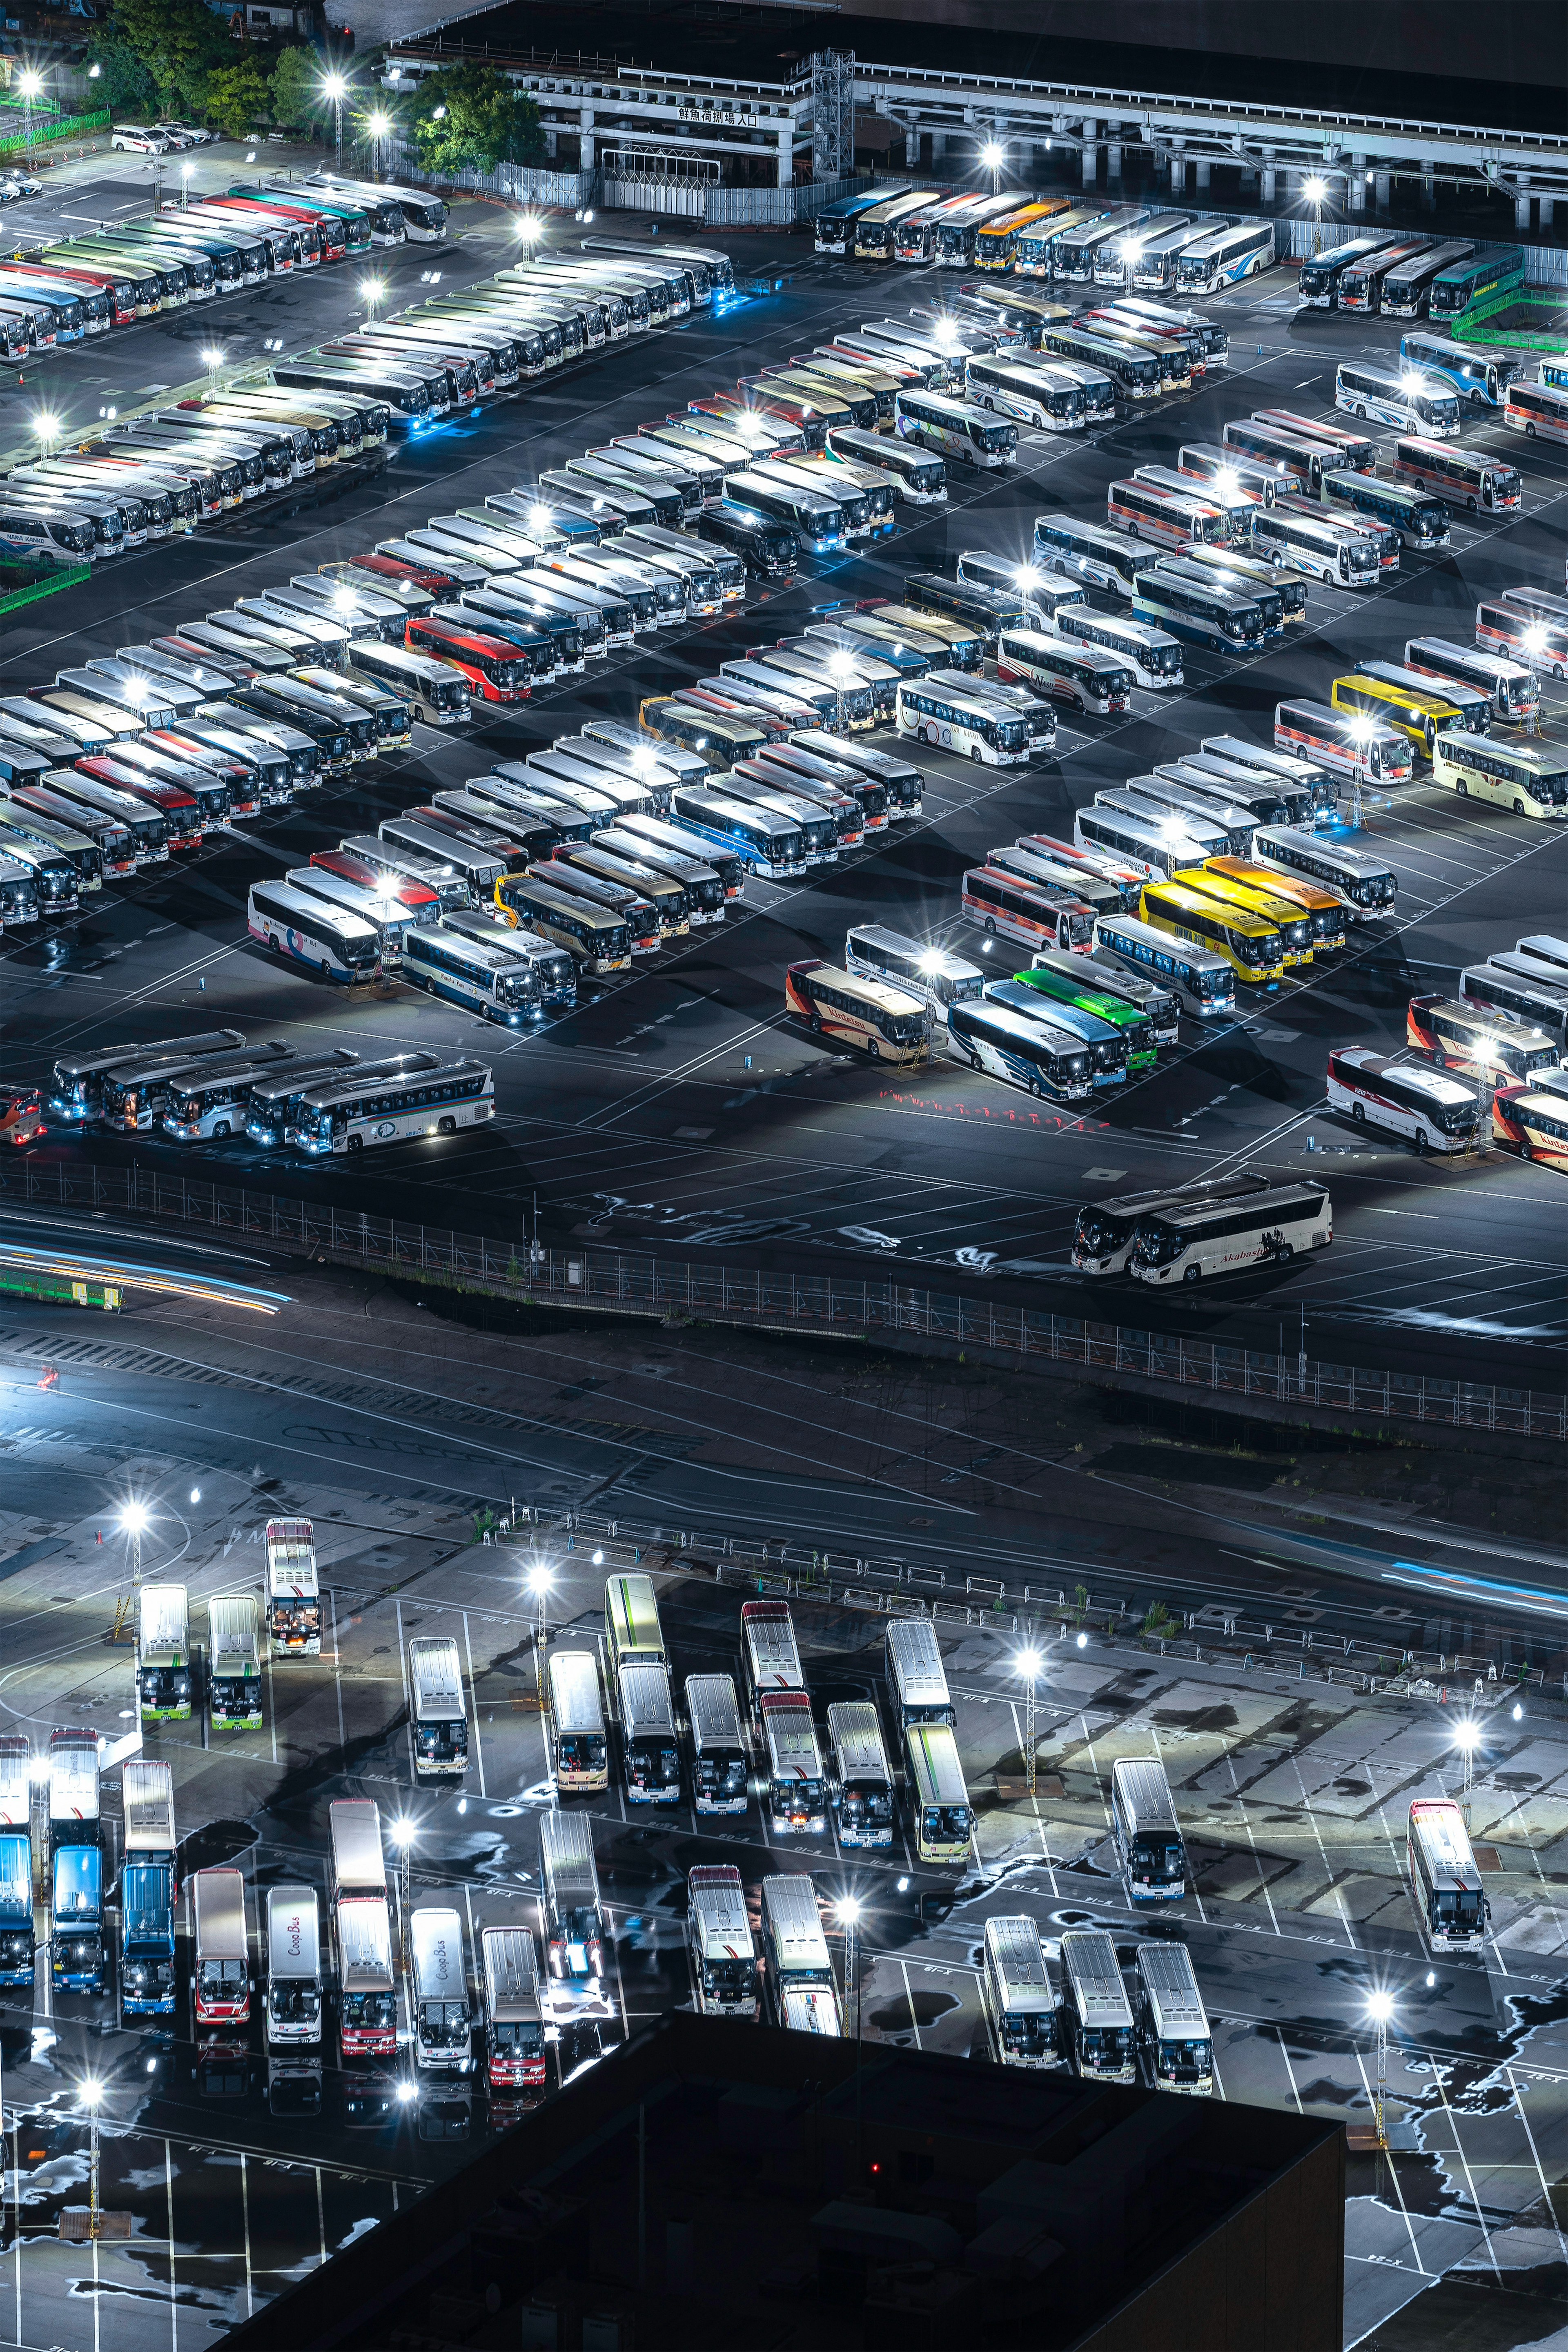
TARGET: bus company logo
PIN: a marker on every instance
(385, 1127)
(296, 942)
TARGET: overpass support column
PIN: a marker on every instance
(1521, 202)
(1178, 167)
(1547, 206)
(1090, 150)
(938, 143)
(1428, 187)
(787, 156)
(1269, 178)
(1358, 184)
(1381, 184)
(1113, 153)
(1201, 171)
(586, 140)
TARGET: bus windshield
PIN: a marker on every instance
(443, 2024)
(371, 2011)
(868, 1804)
(293, 2001)
(945, 1825)
(997, 438)
(1107, 2045)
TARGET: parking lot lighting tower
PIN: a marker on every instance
(1379, 2009)
(31, 85)
(1028, 1665)
(336, 89)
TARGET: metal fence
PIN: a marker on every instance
(671, 1289)
(48, 132)
(515, 183)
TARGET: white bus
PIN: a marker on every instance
(633, 1633)
(293, 2008)
(347, 1118)
(1154, 655)
(1095, 2012)
(443, 2018)
(1148, 1834)
(1224, 256)
(437, 1707)
(798, 1983)
(1531, 782)
(719, 1766)
(1047, 398)
(578, 1748)
(1136, 833)
(954, 427)
(234, 1663)
(1444, 1878)
(650, 1752)
(1364, 881)
(1317, 545)
(220, 1989)
(1170, 518)
(1015, 1987)
(862, 1778)
(1346, 742)
(1269, 1228)
(962, 723)
(1415, 402)
(574, 1927)
(798, 1801)
(940, 1811)
(917, 1679)
(1079, 673)
(162, 1653)
(773, 1659)
(1202, 983)
(1539, 411)
(919, 476)
(293, 923)
(1089, 551)
(1514, 689)
(719, 1939)
(293, 1589)
(485, 976)
(1178, 2043)
(1420, 1105)
(941, 977)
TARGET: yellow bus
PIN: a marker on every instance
(887, 1024)
(1253, 949)
(997, 241)
(1326, 910)
(1530, 780)
(1416, 712)
(1294, 926)
(942, 1821)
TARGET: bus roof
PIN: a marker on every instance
(1013, 1951)
(631, 1617)
(1089, 1963)
(935, 1765)
(163, 1620)
(645, 1709)
(1139, 1780)
(566, 1849)
(715, 1715)
(916, 1660)
(793, 1924)
(231, 1627)
(355, 1827)
(1173, 1989)
(510, 1966)
(718, 1901)
(147, 1800)
(436, 1935)
(856, 1732)
(574, 1698)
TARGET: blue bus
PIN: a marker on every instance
(1456, 290)
(1480, 377)
(834, 223)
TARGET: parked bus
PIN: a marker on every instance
(940, 1814)
(1035, 913)
(833, 225)
(1484, 1041)
(346, 1115)
(292, 2014)
(633, 1635)
(443, 2019)
(1035, 255)
(1539, 411)
(1360, 286)
(1178, 2043)
(1181, 600)
(797, 1982)
(1290, 897)
(1104, 1231)
(1318, 287)
(1047, 398)
(294, 923)
(1416, 402)
(1202, 981)
(437, 1708)
(1082, 675)
(978, 729)
(1089, 551)
(1347, 745)
(572, 1917)
(367, 2002)
(579, 1750)
(221, 1984)
(1460, 477)
(234, 1663)
(1249, 943)
(797, 1785)
(1444, 1878)
(916, 1677)
(1134, 370)
(996, 241)
(1073, 981)
(1532, 1121)
(772, 1657)
(718, 1768)
(1420, 1105)
(862, 1784)
(1512, 689)
(918, 476)
(293, 1589)
(1015, 1987)
(1147, 1832)
(512, 2011)
(1149, 841)
(1322, 547)
(1420, 519)
(650, 1752)
(484, 975)
(1272, 1227)
(1096, 2012)
(1533, 637)
(596, 937)
(955, 428)
(1019, 1049)
(162, 1653)
(1481, 377)
(1531, 780)
(1361, 880)
(885, 1022)
(1465, 284)
(1416, 712)
(1224, 256)
(1170, 518)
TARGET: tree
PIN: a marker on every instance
(178, 43)
(124, 83)
(470, 116)
(237, 97)
(297, 99)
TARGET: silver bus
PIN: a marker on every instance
(1173, 2026)
(578, 1747)
(1202, 983)
(1015, 1987)
(773, 1658)
(718, 1766)
(917, 1680)
(437, 1707)
(1148, 1835)
(797, 1799)
(574, 1929)
(443, 2018)
(486, 976)
(650, 1752)
(718, 1938)
(1444, 1878)
(798, 1983)
(862, 1778)
(1095, 2012)
(934, 973)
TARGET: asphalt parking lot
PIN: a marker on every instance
(677, 1109)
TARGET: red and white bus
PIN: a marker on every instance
(1170, 518)
(495, 670)
(1005, 905)
(1346, 742)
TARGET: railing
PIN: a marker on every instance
(47, 133)
(617, 1281)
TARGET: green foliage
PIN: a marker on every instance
(237, 96)
(1159, 1621)
(298, 99)
(124, 84)
(485, 121)
(178, 43)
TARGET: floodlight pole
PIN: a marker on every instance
(1029, 1736)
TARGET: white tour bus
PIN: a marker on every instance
(1135, 833)
(798, 1982)
(1319, 546)
(513, 2010)
(1414, 402)
(1015, 1987)
(718, 1938)
(1224, 256)
(220, 1989)
(917, 1679)
(1079, 673)
(579, 1750)
(162, 1652)
(1364, 881)
(633, 1633)
(1410, 1099)
(436, 692)
(1167, 517)
(1514, 689)
(1096, 2012)
(486, 976)
(293, 1589)
(1539, 411)
(442, 2017)
(1148, 1834)
(574, 1926)
(1178, 2043)
(1187, 1244)
(978, 729)
(1154, 655)
(348, 1116)
(955, 428)
(773, 1658)
(439, 1715)
(1346, 742)
(650, 1752)
(1444, 1878)
(797, 1799)
(234, 1661)
(941, 978)
(862, 1778)
(1047, 398)
(293, 1972)
(719, 1762)
(1531, 780)
(329, 940)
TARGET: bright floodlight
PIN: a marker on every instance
(334, 85)
(195, 1493)
(849, 1910)
(946, 339)
(134, 1519)
(1380, 2007)
(45, 425)
(1027, 575)
(405, 2092)
(212, 355)
(1518, 1712)
(1083, 1641)
(1468, 1735)
(379, 125)
(1028, 1663)
(539, 1580)
(932, 960)
(539, 518)
(992, 155)
(29, 83)
(598, 1559)
(91, 2092)
(403, 1831)
(839, 668)
(372, 289)
(186, 171)
(1317, 190)
(1226, 483)
(530, 226)
(1534, 637)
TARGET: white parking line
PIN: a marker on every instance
(478, 1743)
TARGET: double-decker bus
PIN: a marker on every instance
(1190, 1244)
(1539, 411)
(1032, 913)
(977, 730)
(1465, 284)
(1445, 1879)
(1420, 1105)
(1136, 372)
(1347, 744)
(1462, 478)
(1019, 1050)
(1530, 780)
(940, 1811)
(1171, 518)
(1420, 520)
(885, 1023)
(1202, 982)
(1249, 943)
(1416, 402)
(1224, 257)
(1485, 1040)
(349, 1114)
(1081, 675)
(1532, 1121)
(1154, 655)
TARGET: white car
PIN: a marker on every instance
(176, 134)
(134, 140)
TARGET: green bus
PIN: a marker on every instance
(1051, 976)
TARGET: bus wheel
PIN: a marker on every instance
(1526, 1148)
(221, 1129)
(272, 943)
(1420, 1141)
(1194, 1274)
(816, 1024)
(990, 926)
(1461, 788)
(1530, 432)
(1358, 1114)
(326, 969)
(447, 1125)
(1471, 504)
(356, 1143)
(1518, 808)
(873, 1049)
(1360, 409)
